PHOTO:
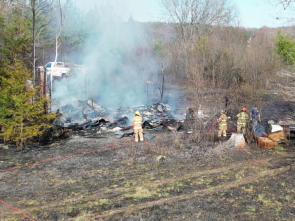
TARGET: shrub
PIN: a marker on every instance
(285, 47)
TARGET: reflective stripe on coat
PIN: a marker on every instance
(137, 122)
(242, 118)
(222, 120)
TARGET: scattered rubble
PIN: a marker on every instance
(281, 112)
(87, 117)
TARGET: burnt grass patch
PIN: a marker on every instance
(267, 199)
(128, 183)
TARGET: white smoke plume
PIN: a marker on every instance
(118, 59)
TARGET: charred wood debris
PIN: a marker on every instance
(91, 120)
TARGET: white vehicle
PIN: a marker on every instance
(57, 69)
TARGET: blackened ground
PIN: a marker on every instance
(279, 111)
(126, 182)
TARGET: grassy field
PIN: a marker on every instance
(124, 181)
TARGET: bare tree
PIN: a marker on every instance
(37, 8)
(195, 16)
(194, 21)
(57, 38)
(58, 33)
(285, 3)
(39, 11)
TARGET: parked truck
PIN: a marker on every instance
(57, 69)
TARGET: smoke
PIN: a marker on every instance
(117, 59)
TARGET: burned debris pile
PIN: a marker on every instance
(281, 112)
(90, 119)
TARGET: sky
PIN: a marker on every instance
(251, 13)
(259, 13)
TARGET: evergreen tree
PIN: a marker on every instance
(23, 115)
(21, 118)
(15, 38)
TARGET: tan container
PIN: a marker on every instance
(278, 136)
(265, 142)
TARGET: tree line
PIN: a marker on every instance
(211, 54)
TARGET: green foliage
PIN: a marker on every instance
(279, 148)
(22, 117)
(285, 47)
(202, 46)
(140, 193)
(158, 48)
(22, 112)
(15, 38)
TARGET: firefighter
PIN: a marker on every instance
(242, 121)
(137, 126)
(222, 124)
(255, 116)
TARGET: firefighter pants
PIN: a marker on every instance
(222, 131)
(241, 128)
(138, 132)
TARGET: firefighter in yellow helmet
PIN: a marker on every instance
(222, 124)
(242, 121)
(137, 126)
